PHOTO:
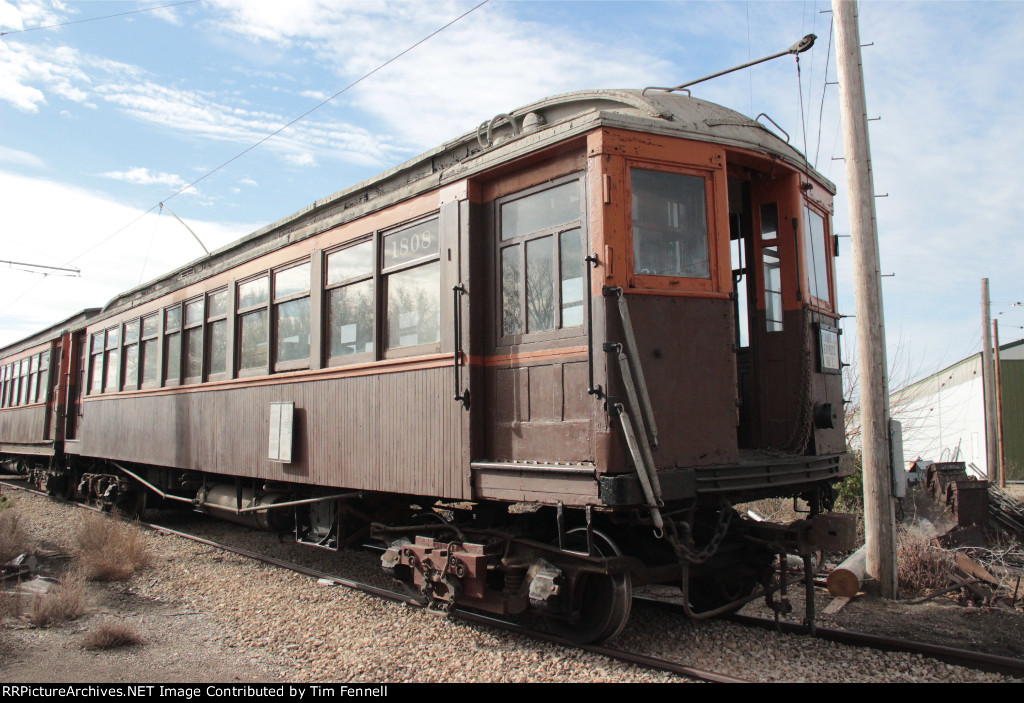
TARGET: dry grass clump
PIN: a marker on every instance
(110, 634)
(14, 539)
(110, 550)
(66, 602)
(921, 566)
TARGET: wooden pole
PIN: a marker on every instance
(999, 406)
(989, 384)
(879, 514)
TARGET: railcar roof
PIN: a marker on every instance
(505, 137)
(76, 321)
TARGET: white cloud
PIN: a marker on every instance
(88, 231)
(142, 176)
(20, 158)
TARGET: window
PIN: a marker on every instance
(172, 345)
(670, 228)
(112, 360)
(291, 317)
(130, 356)
(192, 341)
(253, 296)
(350, 301)
(42, 389)
(411, 268)
(96, 364)
(541, 260)
(217, 332)
(149, 361)
(772, 289)
(3, 386)
(24, 382)
(816, 257)
(33, 379)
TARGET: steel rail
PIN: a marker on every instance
(978, 661)
(468, 616)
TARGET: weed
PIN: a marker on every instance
(110, 550)
(65, 602)
(921, 566)
(110, 634)
(13, 537)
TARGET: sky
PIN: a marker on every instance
(101, 120)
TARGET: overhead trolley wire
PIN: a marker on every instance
(283, 128)
(96, 19)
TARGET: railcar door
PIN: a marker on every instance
(535, 356)
(76, 383)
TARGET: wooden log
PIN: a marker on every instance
(846, 579)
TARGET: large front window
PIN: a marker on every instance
(670, 225)
(816, 251)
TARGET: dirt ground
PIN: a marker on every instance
(182, 645)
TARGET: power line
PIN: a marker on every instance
(283, 128)
(96, 19)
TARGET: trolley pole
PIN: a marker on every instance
(879, 514)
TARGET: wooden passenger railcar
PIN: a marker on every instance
(453, 329)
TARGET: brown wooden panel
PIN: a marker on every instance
(534, 486)
(23, 425)
(398, 432)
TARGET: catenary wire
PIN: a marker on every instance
(96, 19)
(281, 129)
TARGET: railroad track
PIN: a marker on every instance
(649, 662)
(960, 657)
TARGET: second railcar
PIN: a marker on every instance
(615, 308)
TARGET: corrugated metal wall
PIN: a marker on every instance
(1012, 383)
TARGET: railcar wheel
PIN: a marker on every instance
(603, 601)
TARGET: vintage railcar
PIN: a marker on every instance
(587, 328)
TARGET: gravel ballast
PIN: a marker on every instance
(210, 616)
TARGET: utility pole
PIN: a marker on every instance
(999, 406)
(989, 378)
(879, 514)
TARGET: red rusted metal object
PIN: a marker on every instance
(968, 501)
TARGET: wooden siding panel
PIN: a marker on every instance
(24, 425)
(395, 432)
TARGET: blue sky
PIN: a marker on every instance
(101, 121)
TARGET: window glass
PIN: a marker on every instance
(414, 306)
(193, 312)
(218, 304)
(194, 352)
(253, 335)
(670, 232)
(97, 373)
(772, 289)
(149, 362)
(149, 326)
(541, 210)
(112, 337)
(571, 267)
(350, 263)
(411, 244)
(173, 320)
(351, 319)
(769, 221)
(97, 341)
(131, 332)
(254, 292)
(218, 346)
(292, 332)
(172, 358)
(44, 373)
(816, 254)
(540, 283)
(131, 367)
(511, 307)
(291, 281)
